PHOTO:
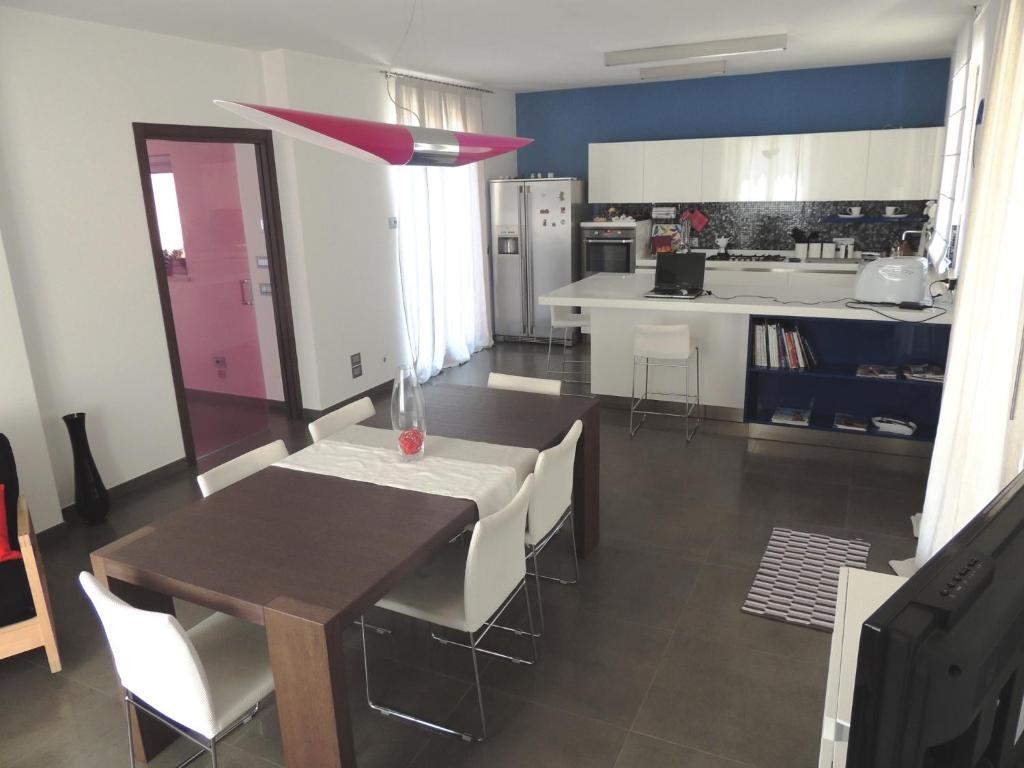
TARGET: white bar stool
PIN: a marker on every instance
(566, 320)
(669, 346)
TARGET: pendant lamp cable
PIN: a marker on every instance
(394, 58)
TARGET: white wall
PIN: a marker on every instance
(77, 242)
(19, 411)
(343, 207)
(75, 228)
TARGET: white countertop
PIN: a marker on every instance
(840, 267)
(618, 291)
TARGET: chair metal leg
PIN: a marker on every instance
(389, 712)
(479, 688)
(213, 755)
(529, 618)
(131, 736)
(536, 578)
(551, 336)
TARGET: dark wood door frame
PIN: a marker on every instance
(273, 231)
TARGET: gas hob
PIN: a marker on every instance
(768, 257)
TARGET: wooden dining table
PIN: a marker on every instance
(306, 554)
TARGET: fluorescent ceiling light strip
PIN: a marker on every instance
(678, 71)
(706, 50)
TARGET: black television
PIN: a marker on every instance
(940, 672)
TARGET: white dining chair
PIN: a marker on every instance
(239, 468)
(467, 591)
(551, 506)
(203, 683)
(346, 416)
(524, 384)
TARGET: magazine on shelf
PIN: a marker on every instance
(924, 372)
(792, 417)
(875, 371)
(850, 423)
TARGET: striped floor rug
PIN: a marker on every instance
(798, 577)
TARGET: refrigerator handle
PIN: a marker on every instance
(528, 293)
(523, 251)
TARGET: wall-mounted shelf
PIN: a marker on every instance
(875, 220)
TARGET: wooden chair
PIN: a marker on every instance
(37, 632)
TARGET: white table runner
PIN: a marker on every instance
(488, 474)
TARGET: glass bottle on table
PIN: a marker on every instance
(408, 414)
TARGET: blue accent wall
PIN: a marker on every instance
(907, 94)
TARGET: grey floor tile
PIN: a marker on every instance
(521, 733)
(625, 580)
(886, 511)
(590, 664)
(713, 613)
(50, 717)
(884, 549)
(728, 701)
(645, 752)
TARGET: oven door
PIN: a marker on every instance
(608, 255)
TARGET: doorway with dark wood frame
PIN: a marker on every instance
(262, 143)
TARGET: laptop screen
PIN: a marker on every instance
(680, 270)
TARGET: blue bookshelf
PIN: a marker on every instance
(839, 346)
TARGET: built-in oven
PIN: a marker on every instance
(612, 247)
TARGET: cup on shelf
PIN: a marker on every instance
(893, 210)
(801, 251)
(853, 210)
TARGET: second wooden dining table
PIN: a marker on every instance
(306, 554)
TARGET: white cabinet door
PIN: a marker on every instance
(904, 164)
(833, 166)
(672, 171)
(616, 172)
(750, 168)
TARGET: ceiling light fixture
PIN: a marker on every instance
(680, 71)
(705, 50)
(381, 143)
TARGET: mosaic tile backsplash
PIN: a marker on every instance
(753, 226)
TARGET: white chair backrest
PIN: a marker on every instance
(495, 562)
(661, 342)
(155, 659)
(346, 416)
(552, 489)
(524, 384)
(241, 467)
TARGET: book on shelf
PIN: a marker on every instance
(780, 346)
(848, 423)
(924, 372)
(792, 417)
(875, 371)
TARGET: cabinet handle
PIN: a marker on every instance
(246, 286)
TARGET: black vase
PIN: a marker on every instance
(92, 502)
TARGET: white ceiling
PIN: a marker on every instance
(538, 44)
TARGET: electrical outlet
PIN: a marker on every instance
(392, 222)
(220, 361)
(357, 365)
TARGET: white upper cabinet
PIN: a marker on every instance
(904, 164)
(672, 171)
(833, 166)
(750, 168)
(616, 172)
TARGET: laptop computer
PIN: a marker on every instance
(678, 276)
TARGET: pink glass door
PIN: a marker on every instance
(209, 215)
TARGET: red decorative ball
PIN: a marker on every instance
(411, 441)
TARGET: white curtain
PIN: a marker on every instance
(981, 429)
(443, 267)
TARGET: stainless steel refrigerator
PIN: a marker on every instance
(534, 250)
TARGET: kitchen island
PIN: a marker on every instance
(818, 303)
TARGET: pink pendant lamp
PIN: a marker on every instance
(383, 143)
